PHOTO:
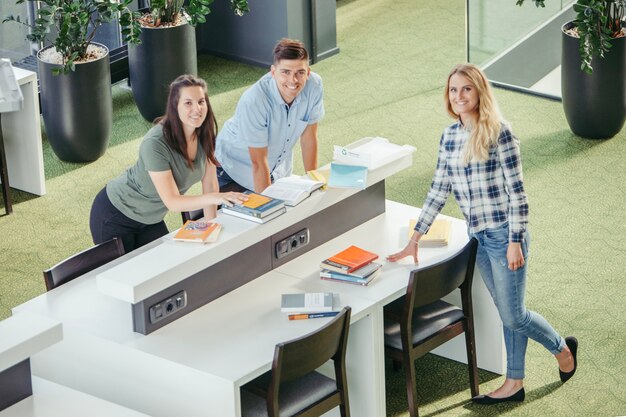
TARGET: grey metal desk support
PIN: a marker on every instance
(4, 175)
(10, 100)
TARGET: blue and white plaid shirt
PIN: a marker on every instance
(490, 193)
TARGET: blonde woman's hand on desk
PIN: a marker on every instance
(410, 249)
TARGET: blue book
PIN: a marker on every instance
(347, 176)
(258, 206)
(332, 276)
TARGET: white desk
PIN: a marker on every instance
(23, 335)
(22, 138)
(54, 400)
(196, 364)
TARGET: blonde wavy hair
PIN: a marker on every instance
(485, 132)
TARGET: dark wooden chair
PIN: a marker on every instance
(192, 215)
(420, 321)
(293, 387)
(83, 262)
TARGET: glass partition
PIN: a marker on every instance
(518, 47)
(13, 43)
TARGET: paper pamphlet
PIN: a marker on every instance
(307, 302)
(371, 152)
(347, 176)
(437, 235)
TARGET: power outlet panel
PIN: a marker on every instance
(167, 307)
(292, 243)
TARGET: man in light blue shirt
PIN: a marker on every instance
(255, 146)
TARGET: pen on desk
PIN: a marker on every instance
(312, 315)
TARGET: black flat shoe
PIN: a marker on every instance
(487, 400)
(572, 344)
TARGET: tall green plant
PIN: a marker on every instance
(75, 23)
(597, 22)
(166, 12)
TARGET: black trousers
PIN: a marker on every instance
(107, 222)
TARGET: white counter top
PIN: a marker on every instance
(166, 262)
(54, 400)
(24, 335)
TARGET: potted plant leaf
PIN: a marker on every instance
(74, 73)
(167, 49)
(593, 67)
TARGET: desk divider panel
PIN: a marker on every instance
(258, 259)
(15, 384)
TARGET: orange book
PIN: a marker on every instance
(349, 260)
(198, 231)
(256, 200)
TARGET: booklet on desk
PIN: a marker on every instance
(371, 152)
(347, 176)
(315, 302)
(292, 190)
(198, 231)
(438, 234)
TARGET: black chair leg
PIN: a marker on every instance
(472, 366)
(4, 175)
(411, 385)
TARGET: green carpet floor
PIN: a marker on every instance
(387, 81)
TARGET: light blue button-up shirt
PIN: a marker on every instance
(263, 119)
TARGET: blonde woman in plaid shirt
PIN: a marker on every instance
(479, 163)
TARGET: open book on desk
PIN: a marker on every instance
(292, 190)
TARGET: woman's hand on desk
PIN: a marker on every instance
(231, 198)
(409, 250)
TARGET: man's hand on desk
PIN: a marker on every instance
(409, 250)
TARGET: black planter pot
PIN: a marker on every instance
(163, 55)
(594, 104)
(77, 109)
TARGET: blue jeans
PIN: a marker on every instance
(507, 288)
(226, 183)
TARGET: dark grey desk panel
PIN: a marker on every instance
(15, 384)
(258, 259)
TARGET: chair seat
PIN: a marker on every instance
(427, 320)
(295, 395)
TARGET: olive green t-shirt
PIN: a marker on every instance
(134, 194)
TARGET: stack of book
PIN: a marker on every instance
(258, 208)
(352, 265)
(308, 305)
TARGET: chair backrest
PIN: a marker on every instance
(301, 356)
(192, 215)
(83, 262)
(434, 282)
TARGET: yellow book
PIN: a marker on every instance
(437, 235)
(318, 176)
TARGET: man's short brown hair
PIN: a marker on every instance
(290, 49)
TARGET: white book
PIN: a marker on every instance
(292, 190)
(227, 210)
(314, 302)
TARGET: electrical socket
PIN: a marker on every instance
(168, 306)
(291, 243)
